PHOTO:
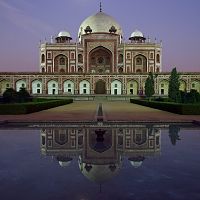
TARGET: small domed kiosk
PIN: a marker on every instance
(63, 37)
(137, 37)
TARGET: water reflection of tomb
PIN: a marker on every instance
(100, 152)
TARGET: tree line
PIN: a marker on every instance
(174, 94)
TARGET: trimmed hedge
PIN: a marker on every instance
(30, 107)
(178, 108)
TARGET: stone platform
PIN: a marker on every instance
(83, 111)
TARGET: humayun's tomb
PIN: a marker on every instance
(98, 62)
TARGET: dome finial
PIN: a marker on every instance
(100, 7)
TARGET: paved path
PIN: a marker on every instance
(77, 111)
(125, 111)
(112, 110)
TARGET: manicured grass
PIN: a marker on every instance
(30, 107)
(178, 108)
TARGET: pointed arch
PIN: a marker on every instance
(61, 64)
(140, 63)
(100, 60)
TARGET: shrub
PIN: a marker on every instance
(30, 107)
(10, 96)
(179, 108)
(23, 95)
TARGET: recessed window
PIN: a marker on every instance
(158, 58)
(193, 85)
(128, 55)
(23, 85)
(38, 85)
(42, 58)
(131, 85)
(7, 85)
(69, 85)
(54, 85)
(84, 85)
(120, 58)
(80, 58)
(162, 85)
(49, 55)
(115, 85)
(72, 55)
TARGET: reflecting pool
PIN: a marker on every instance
(83, 163)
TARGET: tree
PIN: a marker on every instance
(149, 86)
(10, 96)
(23, 95)
(174, 84)
(173, 134)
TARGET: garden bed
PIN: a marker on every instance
(178, 108)
(30, 107)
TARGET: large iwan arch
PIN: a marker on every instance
(100, 60)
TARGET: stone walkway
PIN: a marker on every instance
(125, 111)
(112, 110)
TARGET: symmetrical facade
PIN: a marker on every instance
(99, 62)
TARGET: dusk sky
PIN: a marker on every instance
(23, 23)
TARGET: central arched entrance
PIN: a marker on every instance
(100, 87)
(100, 60)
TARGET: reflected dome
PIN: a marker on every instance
(99, 173)
(136, 161)
(63, 161)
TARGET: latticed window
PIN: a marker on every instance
(62, 61)
(38, 85)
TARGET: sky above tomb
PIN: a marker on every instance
(24, 23)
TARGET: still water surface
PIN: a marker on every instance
(100, 163)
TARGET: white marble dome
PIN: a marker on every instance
(99, 23)
(64, 34)
(137, 33)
